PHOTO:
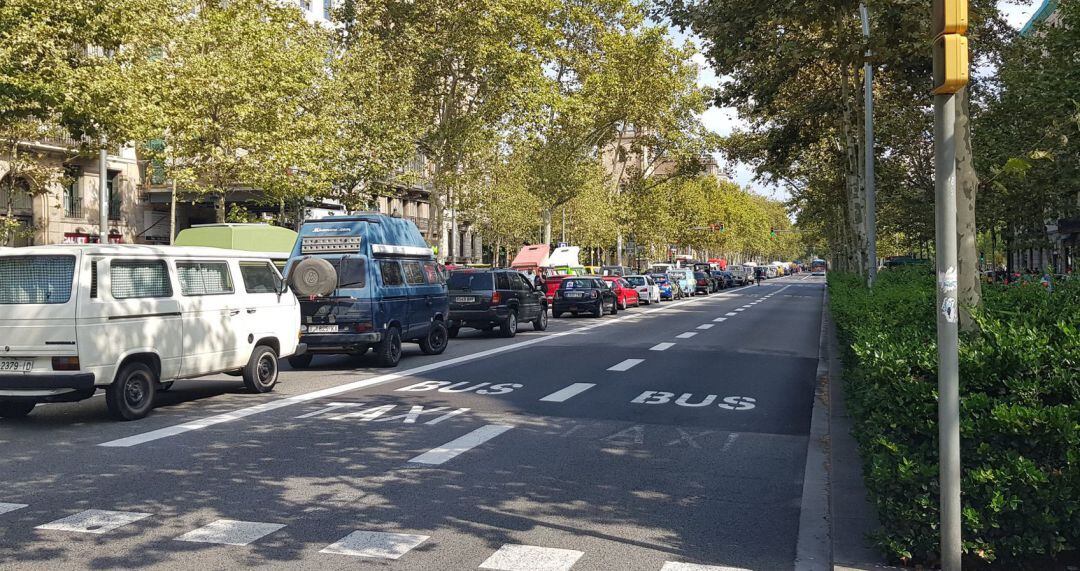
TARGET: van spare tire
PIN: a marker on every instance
(313, 276)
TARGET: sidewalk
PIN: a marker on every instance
(851, 515)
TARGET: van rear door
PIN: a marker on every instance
(37, 310)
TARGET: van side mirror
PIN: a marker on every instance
(283, 286)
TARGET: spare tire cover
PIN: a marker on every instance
(313, 276)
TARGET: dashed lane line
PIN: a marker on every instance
(661, 347)
(686, 335)
(673, 566)
(626, 365)
(94, 521)
(238, 414)
(706, 326)
(459, 446)
(720, 319)
(230, 532)
(531, 558)
(731, 314)
(375, 544)
(565, 394)
(6, 507)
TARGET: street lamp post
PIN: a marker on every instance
(871, 191)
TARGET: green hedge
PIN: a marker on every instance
(1020, 409)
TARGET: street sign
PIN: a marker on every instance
(562, 244)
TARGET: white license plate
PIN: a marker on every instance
(464, 300)
(322, 328)
(574, 294)
(16, 366)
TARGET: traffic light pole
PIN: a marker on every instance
(947, 332)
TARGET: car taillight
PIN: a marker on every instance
(496, 298)
(701, 282)
(65, 363)
(362, 327)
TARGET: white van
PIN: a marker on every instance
(132, 319)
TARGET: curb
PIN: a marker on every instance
(813, 551)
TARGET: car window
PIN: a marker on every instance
(259, 277)
(502, 281)
(36, 279)
(133, 279)
(204, 278)
(578, 284)
(636, 280)
(432, 273)
(391, 273)
(522, 282)
(414, 274)
(470, 280)
(624, 283)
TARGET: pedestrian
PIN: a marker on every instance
(758, 275)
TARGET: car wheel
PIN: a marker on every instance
(301, 361)
(261, 372)
(452, 332)
(541, 322)
(388, 351)
(509, 325)
(131, 394)
(436, 340)
(15, 409)
(614, 309)
(599, 311)
(623, 305)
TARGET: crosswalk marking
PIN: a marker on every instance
(673, 566)
(661, 347)
(686, 335)
(731, 314)
(706, 326)
(230, 532)
(94, 521)
(375, 544)
(565, 394)
(740, 309)
(720, 319)
(626, 365)
(455, 447)
(531, 558)
(6, 507)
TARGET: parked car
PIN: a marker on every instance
(132, 319)
(725, 278)
(622, 271)
(668, 289)
(647, 289)
(367, 281)
(703, 283)
(740, 275)
(584, 295)
(686, 280)
(552, 283)
(625, 294)
(485, 299)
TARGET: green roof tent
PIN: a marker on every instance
(275, 241)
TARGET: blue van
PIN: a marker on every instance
(366, 281)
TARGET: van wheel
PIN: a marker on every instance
(436, 340)
(541, 321)
(388, 351)
(509, 326)
(261, 372)
(301, 361)
(131, 395)
(15, 409)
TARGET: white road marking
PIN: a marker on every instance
(747, 306)
(740, 309)
(672, 566)
(661, 347)
(626, 365)
(569, 392)
(94, 521)
(720, 319)
(706, 326)
(333, 406)
(730, 440)
(448, 415)
(686, 335)
(365, 383)
(731, 314)
(375, 544)
(230, 532)
(531, 558)
(460, 445)
(6, 507)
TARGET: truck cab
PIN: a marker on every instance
(367, 281)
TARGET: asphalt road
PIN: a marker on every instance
(670, 437)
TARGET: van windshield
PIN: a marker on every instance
(36, 279)
(470, 280)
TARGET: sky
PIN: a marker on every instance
(726, 120)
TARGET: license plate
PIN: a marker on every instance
(574, 294)
(16, 365)
(322, 328)
(464, 300)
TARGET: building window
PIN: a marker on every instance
(18, 194)
(72, 196)
(305, 5)
(327, 9)
(115, 195)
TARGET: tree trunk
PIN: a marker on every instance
(547, 226)
(967, 184)
(855, 213)
(219, 208)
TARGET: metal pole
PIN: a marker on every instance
(871, 192)
(563, 225)
(947, 335)
(103, 194)
(172, 213)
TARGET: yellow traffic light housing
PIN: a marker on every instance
(951, 69)
(950, 17)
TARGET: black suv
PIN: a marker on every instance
(485, 299)
(584, 294)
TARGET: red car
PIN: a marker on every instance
(625, 294)
(552, 283)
